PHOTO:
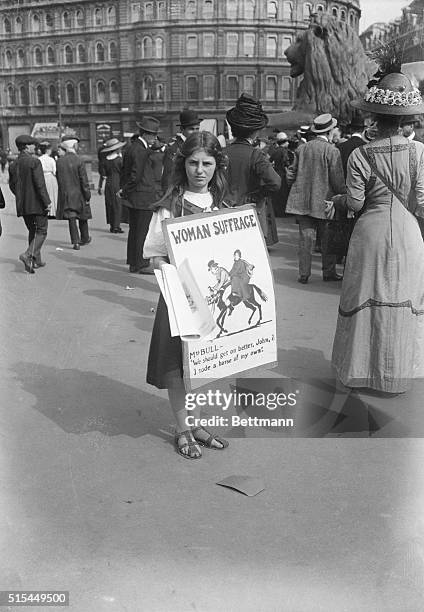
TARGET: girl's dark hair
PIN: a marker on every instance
(210, 144)
(386, 123)
(42, 147)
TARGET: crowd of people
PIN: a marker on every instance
(366, 185)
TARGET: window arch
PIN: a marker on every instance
(287, 88)
(148, 11)
(82, 93)
(147, 47)
(20, 58)
(249, 9)
(100, 52)
(343, 15)
(161, 10)
(11, 96)
(38, 56)
(271, 89)
(79, 19)
(52, 94)
(160, 92)
(113, 92)
(147, 89)
(207, 9)
(288, 11)
(320, 8)
(70, 93)
(8, 59)
(35, 23)
(7, 26)
(307, 10)
(49, 21)
(192, 88)
(39, 95)
(159, 49)
(272, 9)
(335, 12)
(81, 54)
(69, 55)
(113, 52)
(98, 16)
(66, 20)
(191, 9)
(18, 25)
(100, 92)
(271, 45)
(351, 19)
(23, 96)
(111, 15)
(249, 44)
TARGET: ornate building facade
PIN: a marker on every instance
(92, 66)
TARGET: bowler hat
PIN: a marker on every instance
(394, 94)
(188, 118)
(112, 144)
(149, 125)
(69, 137)
(25, 139)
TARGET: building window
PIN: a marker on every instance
(160, 92)
(272, 9)
(8, 59)
(100, 52)
(287, 41)
(18, 25)
(161, 10)
(79, 19)
(23, 96)
(52, 94)
(147, 47)
(249, 44)
(70, 93)
(191, 46)
(20, 58)
(207, 9)
(286, 89)
(232, 87)
(249, 9)
(39, 95)
(113, 92)
(100, 93)
(113, 52)
(38, 56)
(271, 46)
(191, 9)
(69, 55)
(231, 9)
(232, 44)
(320, 8)
(66, 18)
(98, 16)
(343, 15)
(81, 54)
(335, 12)
(351, 19)
(159, 48)
(82, 93)
(111, 15)
(147, 89)
(135, 12)
(192, 88)
(287, 11)
(11, 96)
(271, 89)
(209, 87)
(49, 21)
(7, 26)
(35, 23)
(148, 11)
(208, 44)
(307, 11)
(249, 85)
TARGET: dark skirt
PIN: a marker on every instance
(165, 362)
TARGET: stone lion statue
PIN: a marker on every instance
(335, 71)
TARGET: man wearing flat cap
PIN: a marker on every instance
(138, 189)
(26, 182)
(316, 175)
(189, 123)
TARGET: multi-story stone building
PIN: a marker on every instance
(93, 65)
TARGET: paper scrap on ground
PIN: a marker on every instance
(248, 485)
(59, 249)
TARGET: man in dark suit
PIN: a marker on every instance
(357, 139)
(408, 129)
(189, 123)
(139, 190)
(26, 182)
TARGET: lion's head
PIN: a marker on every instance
(335, 68)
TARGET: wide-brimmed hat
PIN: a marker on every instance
(188, 118)
(69, 137)
(394, 94)
(149, 125)
(323, 123)
(112, 145)
(247, 114)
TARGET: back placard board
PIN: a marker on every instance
(227, 256)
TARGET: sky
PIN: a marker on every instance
(380, 10)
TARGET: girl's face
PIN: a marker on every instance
(200, 168)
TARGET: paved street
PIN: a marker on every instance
(95, 500)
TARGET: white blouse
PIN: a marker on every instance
(154, 245)
(48, 163)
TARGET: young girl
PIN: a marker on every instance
(198, 186)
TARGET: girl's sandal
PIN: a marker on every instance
(191, 444)
(211, 438)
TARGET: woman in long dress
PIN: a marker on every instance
(378, 339)
(111, 167)
(49, 168)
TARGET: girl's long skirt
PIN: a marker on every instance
(165, 362)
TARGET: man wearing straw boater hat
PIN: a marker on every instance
(315, 175)
(189, 123)
(139, 193)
